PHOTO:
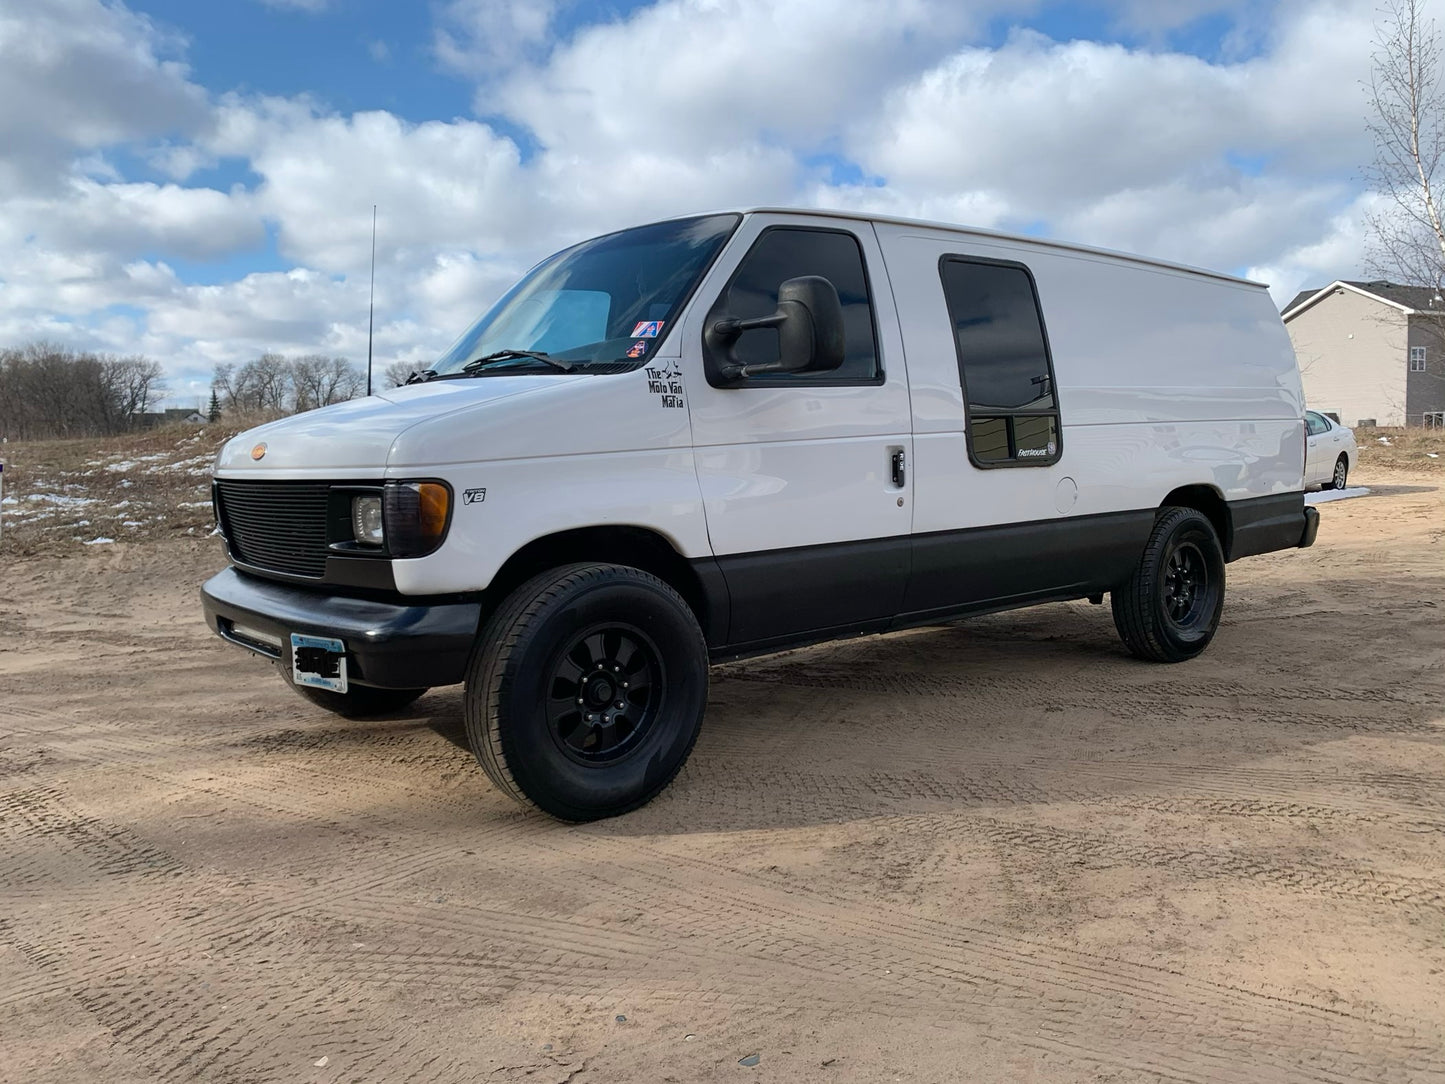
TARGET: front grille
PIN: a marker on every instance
(280, 526)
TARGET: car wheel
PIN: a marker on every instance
(1342, 471)
(358, 702)
(587, 690)
(1169, 609)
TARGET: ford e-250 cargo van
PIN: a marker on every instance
(736, 433)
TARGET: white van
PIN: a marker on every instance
(736, 433)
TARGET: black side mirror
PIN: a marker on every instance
(809, 320)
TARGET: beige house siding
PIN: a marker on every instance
(1353, 357)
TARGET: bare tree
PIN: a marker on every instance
(1407, 123)
(48, 391)
(136, 384)
(1406, 242)
(396, 373)
(319, 381)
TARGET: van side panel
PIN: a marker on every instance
(1165, 379)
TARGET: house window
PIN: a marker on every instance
(1417, 359)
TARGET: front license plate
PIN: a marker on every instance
(318, 662)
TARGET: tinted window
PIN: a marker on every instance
(1000, 337)
(1003, 363)
(1315, 424)
(782, 254)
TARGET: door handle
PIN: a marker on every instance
(900, 473)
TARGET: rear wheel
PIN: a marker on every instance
(358, 702)
(1169, 609)
(586, 691)
(1342, 471)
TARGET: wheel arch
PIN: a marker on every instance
(1209, 501)
(698, 583)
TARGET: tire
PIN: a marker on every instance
(1340, 477)
(1169, 609)
(574, 634)
(358, 702)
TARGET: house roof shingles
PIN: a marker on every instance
(1423, 298)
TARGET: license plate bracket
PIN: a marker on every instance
(318, 662)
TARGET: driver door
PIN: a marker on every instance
(806, 477)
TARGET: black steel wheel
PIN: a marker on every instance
(605, 692)
(1170, 607)
(1342, 472)
(586, 691)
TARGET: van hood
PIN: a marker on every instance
(358, 436)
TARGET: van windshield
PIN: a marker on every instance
(608, 301)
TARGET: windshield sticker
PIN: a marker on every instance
(650, 329)
(664, 380)
(637, 349)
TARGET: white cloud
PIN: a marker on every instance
(681, 106)
(77, 75)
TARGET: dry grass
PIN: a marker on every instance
(63, 494)
(1406, 450)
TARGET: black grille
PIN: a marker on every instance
(280, 526)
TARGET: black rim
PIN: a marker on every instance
(604, 693)
(1186, 585)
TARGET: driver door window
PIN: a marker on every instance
(783, 253)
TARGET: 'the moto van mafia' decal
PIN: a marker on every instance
(664, 380)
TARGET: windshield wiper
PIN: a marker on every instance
(476, 365)
(420, 376)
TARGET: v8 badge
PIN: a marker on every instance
(473, 496)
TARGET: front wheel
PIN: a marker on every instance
(586, 691)
(1342, 472)
(1169, 609)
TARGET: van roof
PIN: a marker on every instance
(951, 227)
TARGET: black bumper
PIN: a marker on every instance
(389, 645)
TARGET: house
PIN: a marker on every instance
(1371, 352)
(170, 415)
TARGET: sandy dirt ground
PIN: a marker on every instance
(1002, 851)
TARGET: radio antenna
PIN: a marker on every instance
(371, 301)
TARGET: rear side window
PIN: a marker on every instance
(1315, 424)
(783, 253)
(1007, 375)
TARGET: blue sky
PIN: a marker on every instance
(194, 181)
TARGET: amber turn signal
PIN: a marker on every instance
(416, 514)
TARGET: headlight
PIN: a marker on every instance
(366, 521)
(416, 515)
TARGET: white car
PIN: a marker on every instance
(738, 433)
(1330, 451)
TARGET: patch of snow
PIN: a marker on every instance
(98, 542)
(123, 465)
(61, 500)
(122, 504)
(1433, 455)
(194, 504)
(10, 500)
(1324, 496)
(81, 523)
(1383, 440)
(132, 523)
(126, 482)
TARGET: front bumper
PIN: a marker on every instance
(389, 645)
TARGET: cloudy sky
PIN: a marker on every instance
(194, 181)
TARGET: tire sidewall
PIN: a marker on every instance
(1340, 478)
(1196, 529)
(553, 780)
